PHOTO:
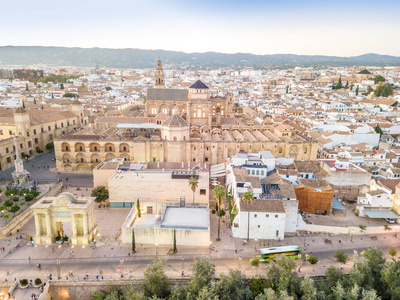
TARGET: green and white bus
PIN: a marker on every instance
(268, 254)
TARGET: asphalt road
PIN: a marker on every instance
(110, 266)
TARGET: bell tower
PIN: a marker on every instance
(160, 81)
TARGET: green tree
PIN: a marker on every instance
(391, 279)
(6, 217)
(333, 276)
(369, 90)
(255, 263)
(248, 198)
(100, 192)
(236, 106)
(26, 87)
(23, 104)
(14, 209)
(392, 251)
(219, 194)
(287, 89)
(347, 85)
(383, 90)
(133, 241)
(61, 86)
(108, 88)
(138, 208)
(50, 146)
(15, 199)
(231, 286)
(8, 203)
(29, 197)
(351, 86)
(155, 281)
(308, 289)
(70, 95)
(357, 89)
(203, 274)
(378, 78)
(312, 259)
(379, 130)
(341, 257)
(193, 183)
(387, 227)
(339, 85)
(9, 192)
(174, 249)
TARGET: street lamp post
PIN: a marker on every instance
(240, 263)
(58, 269)
(352, 233)
(156, 250)
(305, 236)
(183, 260)
(255, 245)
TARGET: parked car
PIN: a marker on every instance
(390, 221)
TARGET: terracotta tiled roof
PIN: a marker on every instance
(263, 205)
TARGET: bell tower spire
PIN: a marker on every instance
(160, 81)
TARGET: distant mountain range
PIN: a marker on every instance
(138, 58)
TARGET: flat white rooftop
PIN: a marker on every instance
(186, 218)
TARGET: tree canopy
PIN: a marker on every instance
(101, 193)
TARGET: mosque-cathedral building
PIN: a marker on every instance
(179, 125)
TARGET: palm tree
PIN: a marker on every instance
(236, 106)
(248, 198)
(219, 193)
(193, 183)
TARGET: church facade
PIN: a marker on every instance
(179, 125)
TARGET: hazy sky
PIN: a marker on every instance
(337, 27)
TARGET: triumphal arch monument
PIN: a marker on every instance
(51, 212)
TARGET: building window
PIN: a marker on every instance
(258, 172)
(258, 226)
(255, 215)
(124, 148)
(34, 131)
(27, 133)
(262, 172)
(36, 141)
(276, 216)
(202, 191)
(55, 126)
(1, 132)
(267, 215)
(95, 148)
(305, 150)
(21, 146)
(7, 150)
(42, 129)
(235, 225)
(49, 127)
(10, 132)
(63, 132)
(280, 150)
(29, 144)
(175, 139)
(30, 152)
(8, 159)
(50, 137)
(253, 172)
(206, 159)
(194, 148)
(62, 124)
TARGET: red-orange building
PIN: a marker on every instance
(314, 196)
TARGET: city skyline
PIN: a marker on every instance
(258, 27)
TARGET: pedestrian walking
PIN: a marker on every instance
(78, 277)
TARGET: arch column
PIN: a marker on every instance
(85, 225)
(38, 226)
(48, 224)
